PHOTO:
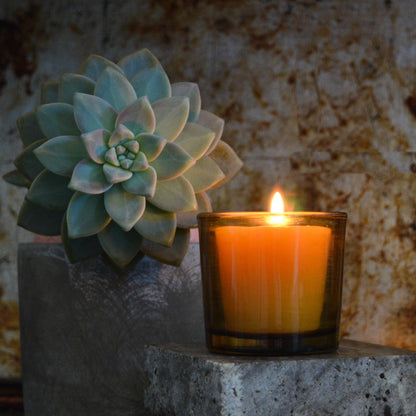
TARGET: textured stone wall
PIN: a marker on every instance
(319, 100)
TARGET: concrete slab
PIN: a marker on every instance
(358, 379)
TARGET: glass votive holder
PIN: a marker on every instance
(272, 283)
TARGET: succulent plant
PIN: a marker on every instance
(118, 160)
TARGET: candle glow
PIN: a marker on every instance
(277, 206)
(273, 275)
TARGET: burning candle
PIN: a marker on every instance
(272, 280)
(273, 276)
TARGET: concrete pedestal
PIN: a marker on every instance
(84, 328)
(359, 379)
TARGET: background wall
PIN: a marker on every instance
(319, 100)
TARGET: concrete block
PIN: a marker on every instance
(358, 379)
(84, 328)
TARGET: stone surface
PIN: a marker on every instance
(318, 99)
(84, 328)
(359, 379)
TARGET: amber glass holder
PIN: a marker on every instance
(272, 283)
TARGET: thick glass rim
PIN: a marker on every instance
(261, 214)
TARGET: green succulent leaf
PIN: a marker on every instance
(113, 87)
(50, 191)
(137, 62)
(27, 163)
(213, 123)
(195, 139)
(86, 215)
(49, 92)
(61, 154)
(132, 145)
(172, 162)
(171, 115)
(39, 220)
(138, 117)
(96, 144)
(153, 83)
(88, 177)
(72, 83)
(94, 65)
(17, 178)
(123, 207)
(204, 174)
(79, 249)
(142, 183)
(191, 90)
(157, 225)
(57, 119)
(120, 133)
(120, 246)
(93, 113)
(114, 174)
(111, 157)
(176, 195)
(188, 219)
(151, 145)
(170, 255)
(229, 163)
(140, 163)
(29, 128)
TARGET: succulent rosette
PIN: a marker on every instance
(119, 160)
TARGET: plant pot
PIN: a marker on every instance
(83, 328)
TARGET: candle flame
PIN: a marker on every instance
(277, 205)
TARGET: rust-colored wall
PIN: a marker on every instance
(319, 100)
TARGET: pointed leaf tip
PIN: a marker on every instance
(138, 116)
(29, 128)
(123, 207)
(86, 215)
(113, 87)
(61, 154)
(40, 220)
(57, 119)
(228, 161)
(176, 195)
(72, 83)
(157, 225)
(190, 90)
(114, 174)
(171, 115)
(120, 246)
(204, 174)
(172, 162)
(93, 113)
(88, 177)
(94, 65)
(137, 62)
(142, 183)
(172, 255)
(195, 139)
(27, 163)
(50, 191)
(152, 83)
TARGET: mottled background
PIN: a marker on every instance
(319, 100)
